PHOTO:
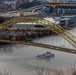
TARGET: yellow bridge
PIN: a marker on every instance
(41, 21)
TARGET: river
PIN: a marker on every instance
(21, 59)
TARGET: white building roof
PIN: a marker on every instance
(52, 20)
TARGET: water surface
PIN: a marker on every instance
(21, 59)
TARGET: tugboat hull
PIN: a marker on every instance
(45, 55)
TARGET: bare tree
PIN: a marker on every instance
(72, 70)
(6, 72)
(58, 72)
(39, 71)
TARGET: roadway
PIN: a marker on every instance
(27, 12)
(41, 45)
(28, 29)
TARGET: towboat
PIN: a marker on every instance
(45, 55)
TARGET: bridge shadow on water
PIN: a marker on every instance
(6, 48)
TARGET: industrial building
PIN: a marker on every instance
(60, 8)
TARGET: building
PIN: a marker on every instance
(29, 4)
(71, 1)
(15, 3)
(57, 1)
(4, 7)
(61, 8)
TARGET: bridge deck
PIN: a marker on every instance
(41, 45)
(28, 29)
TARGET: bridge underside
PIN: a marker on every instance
(42, 21)
(42, 45)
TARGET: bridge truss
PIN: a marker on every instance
(41, 21)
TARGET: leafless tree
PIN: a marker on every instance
(72, 70)
(6, 72)
(39, 71)
(58, 72)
